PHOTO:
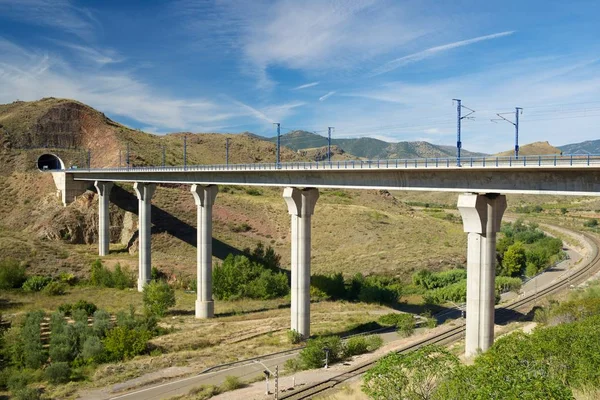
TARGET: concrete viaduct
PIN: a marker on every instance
(482, 183)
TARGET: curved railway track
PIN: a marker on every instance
(452, 335)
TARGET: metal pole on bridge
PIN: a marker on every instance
(459, 118)
(329, 129)
(278, 142)
(184, 152)
(226, 151)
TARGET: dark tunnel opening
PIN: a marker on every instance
(49, 162)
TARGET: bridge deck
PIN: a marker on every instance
(570, 174)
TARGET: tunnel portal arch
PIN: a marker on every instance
(50, 162)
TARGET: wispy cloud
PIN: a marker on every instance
(306, 85)
(269, 114)
(322, 36)
(101, 57)
(421, 55)
(31, 74)
(326, 96)
(59, 14)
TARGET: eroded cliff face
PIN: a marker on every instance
(62, 125)
(78, 222)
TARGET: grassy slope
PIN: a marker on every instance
(532, 149)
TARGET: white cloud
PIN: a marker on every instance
(30, 75)
(326, 96)
(306, 85)
(421, 55)
(60, 14)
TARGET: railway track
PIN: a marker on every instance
(503, 314)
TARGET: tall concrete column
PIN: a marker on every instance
(482, 215)
(103, 189)
(204, 196)
(144, 192)
(301, 206)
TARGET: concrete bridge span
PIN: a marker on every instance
(482, 183)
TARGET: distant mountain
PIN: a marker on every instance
(371, 148)
(587, 147)
(532, 149)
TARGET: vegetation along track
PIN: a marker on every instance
(454, 334)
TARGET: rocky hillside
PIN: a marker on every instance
(370, 148)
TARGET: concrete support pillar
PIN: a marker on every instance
(482, 215)
(103, 189)
(204, 196)
(144, 192)
(301, 206)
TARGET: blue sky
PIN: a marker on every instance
(378, 68)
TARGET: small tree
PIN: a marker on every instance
(158, 298)
(514, 260)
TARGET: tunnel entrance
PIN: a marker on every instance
(49, 162)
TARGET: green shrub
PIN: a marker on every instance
(268, 285)
(294, 337)
(293, 365)
(158, 298)
(122, 343)
(456, 292)
(36, 283)
(591, 223)
(405, 325)
(67, 278)
(253, 191)
(122, 278)
(101, 323)
(238, 277)
(333, 285)
(232, 383)
(430, 280)
(55, 289)
(68, 308)
(119, 278)
(354, 346)
(58, 372)
(373, 342)
(376, 289)
(313, 355)
(27, 393)
(204, 392)
(12, 274)
(92, 350)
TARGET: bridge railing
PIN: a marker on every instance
(556, 160)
